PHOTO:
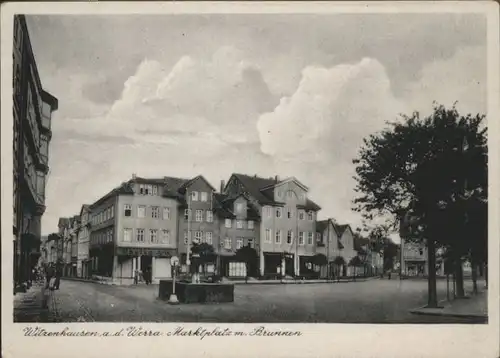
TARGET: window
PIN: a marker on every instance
(227, 243)
(301, 238)
(309, 238)
(268, 235)
(153, 236)
(149, 189)
(187, 214)
(289, 213)
(278, 212)
(208, 237)
(301, 215)
(203, 196)
(239, 224)
(141, 211)
(239, 243)
(250, 242)
(166, 213)
(289, 237)
(269, 212)
(237, 269)
(165, 236)
(318, 238)
(210, 216)
(199, 215)
(310, 215)
(155, 212)
(250, 224)
(155, 190)
(109, 236)
(279, 194)
(139, 235)
(198, 236)
(194, 196)
(112, 211)
(278, 237)
(228, 223)
(239, 207)
(141, 189)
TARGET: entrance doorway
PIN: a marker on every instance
(146, 263)
(290, 265)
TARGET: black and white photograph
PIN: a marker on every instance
(221, 167)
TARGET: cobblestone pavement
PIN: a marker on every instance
(376, 301)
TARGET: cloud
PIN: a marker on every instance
(461, 79)
(316, 132)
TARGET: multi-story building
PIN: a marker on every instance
(83, 241)
(32, 112)
(135, 227)
(287, 225)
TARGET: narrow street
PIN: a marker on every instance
(376, 301)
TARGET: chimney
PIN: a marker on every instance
(134, 176)
(277, 178)
(222, 185)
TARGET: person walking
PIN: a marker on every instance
(49, 275)
(58, 275)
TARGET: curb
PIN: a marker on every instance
(419, 311)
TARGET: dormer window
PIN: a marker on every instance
(310, 215)
(278, 212)
(239, 207)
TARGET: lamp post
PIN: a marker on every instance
(174, 261)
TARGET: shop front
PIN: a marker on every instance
(132, 260)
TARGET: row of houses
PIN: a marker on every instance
(143, 222)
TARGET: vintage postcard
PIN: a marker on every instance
(250, 179)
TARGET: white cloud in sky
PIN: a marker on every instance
(216, 115)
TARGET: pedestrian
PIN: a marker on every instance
(49, 277)
(136, 277)
(58, 275)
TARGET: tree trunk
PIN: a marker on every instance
(459, 276)
(474, 276)
(432, 289)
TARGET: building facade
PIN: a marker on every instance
(288, 222)
(32, 114)
(83, 241)
(142, 223)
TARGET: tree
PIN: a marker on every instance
(418, 168)
(249, 256)
(319, 260)
(355, 262)
(381, 243)
(339, 262)
(202, 254)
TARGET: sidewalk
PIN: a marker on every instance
(33, 305)
(472, 307)
(250, 282)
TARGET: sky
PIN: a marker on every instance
(288, 95)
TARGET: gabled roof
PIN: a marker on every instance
(123, 188)
(63, 222)
(259, 189)
(189, 182)
(284, 181)
(342, 228)
(84, 207)
(224, 204)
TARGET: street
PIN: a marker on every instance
(374, 301)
